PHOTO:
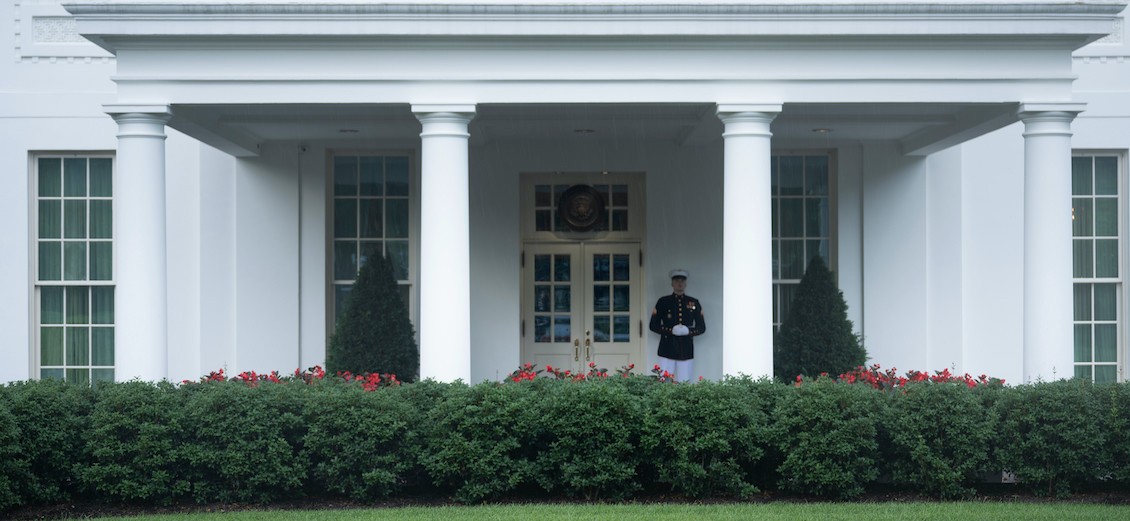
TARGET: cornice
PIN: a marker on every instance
(488, 8)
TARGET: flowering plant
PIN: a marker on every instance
(311, 376)
(889, 379)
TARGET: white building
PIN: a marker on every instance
(191, 185)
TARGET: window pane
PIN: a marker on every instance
(1082, 302)
(1105, 302)
(774, 175)
(776, 263)
(561, 301)
(621, 298)
(372, 218)
(544, 221)
(543, 196)
(621, 329)
(102, 345)
(341, 294)
(792, 217)
(620, 267)
(541, 267)
(51, 373)
(561, 329)
(345, 260)
(561, 271)
(74, 177)
(396, 175)
(101, 260)
(1106, 343)
(1083, 371)
(787, 293)
(619, 220)
(74, 261)
(601, 267)
(774, 220)
(602, 328)
(102, 305)
(50, 261)
(78, 346)
(1106, 258)
(1105, 374)
(601, 298)
(541, 329)
(814, 248)
(50, 219)
(620, 195)
(50, 177)
(541, 298)
(101, 177)
(78, 376)
(103, 375)
(74, 219)
(791, 175)
(78, 309)
(345, 175)
(1106, 217)
(101, 219)
(398, 256)
(1081, 176)
(792, 259)
(816, 175)
(816, 217)
(372, 176)
(345, 218)
(51, 305)
(1083, 216)
(397, 225)
(1082, 258)
(1082, 342)
(370, 249)
(51, 346)
(1106, 175)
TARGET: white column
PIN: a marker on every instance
(445, 242)
(747, 295)
(141, 294)
(1048, 336)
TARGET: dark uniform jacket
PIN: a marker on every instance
(670, 311)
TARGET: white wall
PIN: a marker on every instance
(943, 263)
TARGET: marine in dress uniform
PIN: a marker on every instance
(678, 319)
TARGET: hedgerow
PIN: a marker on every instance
(599, 435)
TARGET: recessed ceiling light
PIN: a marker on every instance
(822, 130)
(349, 131)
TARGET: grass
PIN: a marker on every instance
(900, 511)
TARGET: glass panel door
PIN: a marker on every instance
(581, 305)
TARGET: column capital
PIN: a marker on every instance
(1048, 119)
(422, 110)
(152, 110)
(737, 108)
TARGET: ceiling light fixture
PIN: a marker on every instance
(822, 130)
(349, 131)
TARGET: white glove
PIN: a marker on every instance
(680, 330)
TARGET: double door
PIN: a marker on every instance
(582, 304)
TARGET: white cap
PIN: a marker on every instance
(679, 273)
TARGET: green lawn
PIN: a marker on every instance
(893, 511)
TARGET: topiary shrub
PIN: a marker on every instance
(816, 337)
(374, 334)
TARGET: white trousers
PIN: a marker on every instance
(682, 369)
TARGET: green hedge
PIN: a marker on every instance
(608, 439)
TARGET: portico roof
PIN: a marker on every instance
(925, 74)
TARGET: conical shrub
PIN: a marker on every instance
(816, 336)
(374, 334)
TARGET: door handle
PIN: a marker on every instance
(588, 344)
(576, 350)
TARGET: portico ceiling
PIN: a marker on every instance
(918, 127)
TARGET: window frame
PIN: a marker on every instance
(1122, 299)
(35, 300)
(833, 227)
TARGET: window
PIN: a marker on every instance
(74, 263)
(370, 217)
(1096, 265)
(801, 229)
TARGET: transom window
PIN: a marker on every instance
(371, 197)
(615, 197)
(801, 230)
(1096, 262)
(74, 225)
